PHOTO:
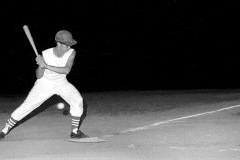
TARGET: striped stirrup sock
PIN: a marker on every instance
(75, 124)
(9, 125)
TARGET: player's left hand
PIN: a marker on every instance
(40, 61)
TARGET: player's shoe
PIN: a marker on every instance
(2, 135)
(79, 134)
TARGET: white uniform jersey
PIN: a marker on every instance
(51, 83)
(53, 60)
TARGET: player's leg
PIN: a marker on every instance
(8, 126)
(38, 94)
(71, 95)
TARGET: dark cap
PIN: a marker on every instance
(65, 37)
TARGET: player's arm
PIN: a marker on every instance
(67, 68)
(41, 66)
(39, 72)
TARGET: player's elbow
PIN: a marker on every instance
(39, 73)
(39, 76)
(68, 69)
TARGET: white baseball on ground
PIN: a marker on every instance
(60, 105)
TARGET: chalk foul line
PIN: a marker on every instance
(168, 121)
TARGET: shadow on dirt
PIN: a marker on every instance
(50, 102)
(236, 114)
(3, 111)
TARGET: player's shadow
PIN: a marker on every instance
(50, 102)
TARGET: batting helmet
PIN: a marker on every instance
(65, 37)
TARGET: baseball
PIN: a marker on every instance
(60, 105)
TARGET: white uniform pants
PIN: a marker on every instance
(44, 89)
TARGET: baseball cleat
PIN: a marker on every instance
(2, 135)
(79, 134)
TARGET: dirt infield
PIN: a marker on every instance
(213, 136)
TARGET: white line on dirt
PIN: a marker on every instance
(172, 120)
(178, 148)
(225, 150)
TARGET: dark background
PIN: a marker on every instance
(126, 45)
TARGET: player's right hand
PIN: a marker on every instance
(40, 61)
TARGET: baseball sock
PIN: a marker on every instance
(9, 125)
(75, 124)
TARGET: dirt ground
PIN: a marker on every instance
(138, 125)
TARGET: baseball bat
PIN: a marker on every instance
(29, 36)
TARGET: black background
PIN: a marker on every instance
(126, 45)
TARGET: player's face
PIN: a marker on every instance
(63, 47)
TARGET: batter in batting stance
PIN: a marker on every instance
(53, 67)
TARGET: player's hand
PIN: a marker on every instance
(40, 61)
(43, 65)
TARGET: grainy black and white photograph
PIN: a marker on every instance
(120, 80)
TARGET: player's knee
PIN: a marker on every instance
(76, 112)
(77, 108)
(80, 102)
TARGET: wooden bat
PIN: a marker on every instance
(29, 36)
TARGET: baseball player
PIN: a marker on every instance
(53, 67)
